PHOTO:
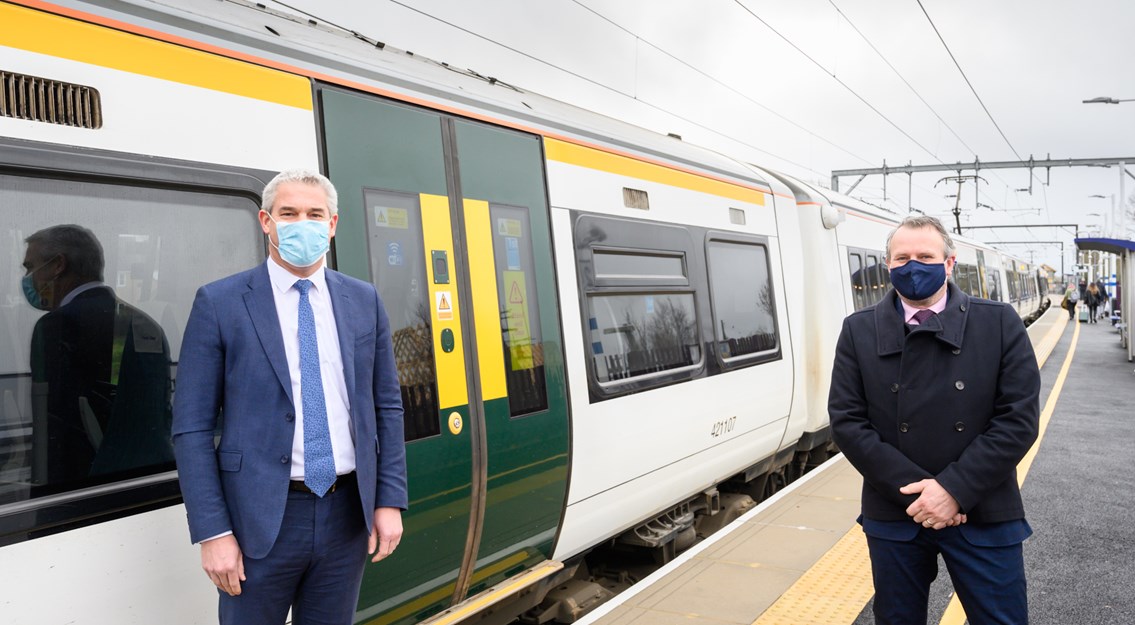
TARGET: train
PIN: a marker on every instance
(604, 336)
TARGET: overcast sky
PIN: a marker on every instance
(811, 86)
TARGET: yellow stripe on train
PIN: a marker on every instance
(52, 35)
(574, 154)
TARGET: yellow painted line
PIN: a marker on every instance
(486, 304)
(591, 158)
(443, 302)
(954, 614)
(495, 594)
(833, 591)
(53, 35)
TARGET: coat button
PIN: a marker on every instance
(284, 460)
(962, 307)
(957, 351)
(959, 385)
(289, 417)
(903, 427)
(895, 387)
(959, 426)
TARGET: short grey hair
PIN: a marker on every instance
(76, 244)
(922, 221)
(302, 176)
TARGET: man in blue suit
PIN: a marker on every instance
(934, 399)
(293, 364)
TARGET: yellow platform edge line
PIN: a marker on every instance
(954, 614)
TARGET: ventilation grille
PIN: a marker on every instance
(634, 198)
(49, 101)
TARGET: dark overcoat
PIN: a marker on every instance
(954, 399)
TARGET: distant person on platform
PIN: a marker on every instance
(1092, 300)
(934, 399)
(308, 475)
(100, 367)
(1071, 298)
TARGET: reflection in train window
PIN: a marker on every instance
(397, 258)
(641, 334)
(744, 316)
(98, 281)
(858, 280)
(519, 309)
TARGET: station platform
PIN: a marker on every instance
(799, 558)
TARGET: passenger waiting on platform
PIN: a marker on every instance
(934, 400)
(1071, 298)
(1093, 299)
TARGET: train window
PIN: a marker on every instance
(875, 286)
(744, 317)
(858, 280)
(397, 258)
(993, 282)
(642, 334)
(100, 283)
(520, 310)
(637, 265)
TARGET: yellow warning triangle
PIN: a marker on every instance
(514, 296)
(444, 305)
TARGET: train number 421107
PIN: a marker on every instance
(723, 427)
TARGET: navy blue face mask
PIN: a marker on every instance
(917, 281)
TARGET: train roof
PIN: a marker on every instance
(334, 54)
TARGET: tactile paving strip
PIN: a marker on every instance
(833, 592)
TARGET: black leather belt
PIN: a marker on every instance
(341, 481)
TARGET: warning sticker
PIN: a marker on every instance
(391, 217)
(444, 305)
(516, 320)
(509, 227)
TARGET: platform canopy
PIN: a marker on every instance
(1111, 246)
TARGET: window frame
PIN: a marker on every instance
(60, 512)
(648, 238)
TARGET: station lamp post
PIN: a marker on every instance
(1106, 100)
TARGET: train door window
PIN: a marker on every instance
(884, 278)
(962, 277)
(397, 257)
(521, 334)
(874, 285)
(858, 280)
(744, 318)
(100, 281)
(993, 282)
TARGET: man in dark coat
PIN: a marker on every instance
(934, 400)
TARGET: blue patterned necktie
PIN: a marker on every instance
(318, 461)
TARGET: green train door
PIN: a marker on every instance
(449, 220)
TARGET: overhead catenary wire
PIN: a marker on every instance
(582, 77)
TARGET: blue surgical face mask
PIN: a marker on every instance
(32, 294)
(302, 243)
(917, 281)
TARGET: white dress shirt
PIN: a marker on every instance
(330, 363)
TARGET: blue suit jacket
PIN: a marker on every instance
(233, 368)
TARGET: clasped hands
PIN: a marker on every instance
(935, 508)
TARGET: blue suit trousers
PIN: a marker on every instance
(989, 577)
(315, 567)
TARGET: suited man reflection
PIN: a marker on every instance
(100, 367)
